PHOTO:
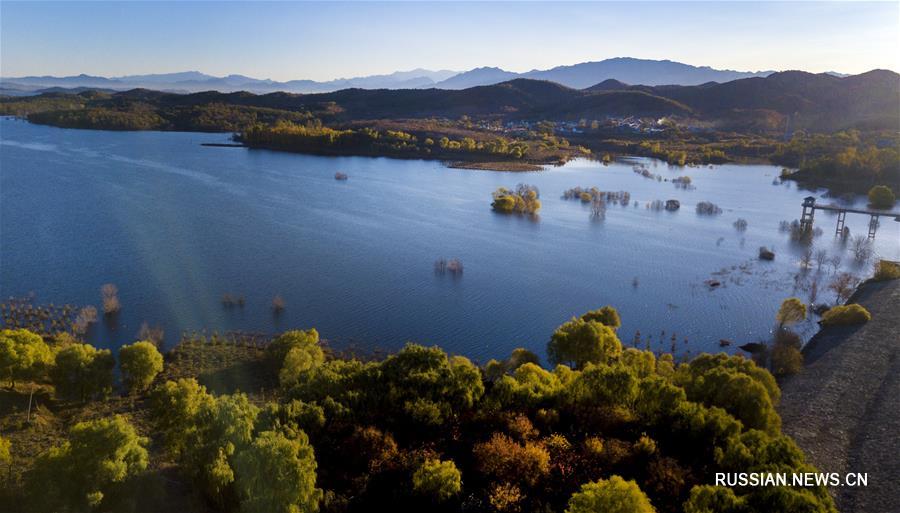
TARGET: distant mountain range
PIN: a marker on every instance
(795, 99)
(776, 104)
(623, 69)
(194, 81)
(577, 76)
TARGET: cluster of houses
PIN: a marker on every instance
(630, 124)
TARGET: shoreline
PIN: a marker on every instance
(843, 409)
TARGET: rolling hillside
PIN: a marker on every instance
(787, 100)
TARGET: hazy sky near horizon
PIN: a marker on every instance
(323, 41)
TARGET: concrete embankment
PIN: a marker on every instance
(844, 408)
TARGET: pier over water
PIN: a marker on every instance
(810, 207)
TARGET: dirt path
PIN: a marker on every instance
(844, 408)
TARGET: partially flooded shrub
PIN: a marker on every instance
(682, 182)
(792, 311)
(154, 333)
(598, 209)
(798, 234)
(821, 258)
(277, 304)
(453, 266)
(587, 195)
(861, 247)
(110, 295)
(525, 199)
(740, 225)
(656, 205)
(843, 286)
(642, 170)
(708, 208)
(86, 316)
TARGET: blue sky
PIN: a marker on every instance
(321, 41)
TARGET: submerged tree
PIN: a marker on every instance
(525, 199)
(792, 311)
(109, 293)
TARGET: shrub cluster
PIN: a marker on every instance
(525, 199)
(843, 315)
(886, 270)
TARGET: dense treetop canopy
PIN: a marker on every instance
(607, 428)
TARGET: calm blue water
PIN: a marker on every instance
(176, 225)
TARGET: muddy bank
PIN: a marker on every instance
(844, 408)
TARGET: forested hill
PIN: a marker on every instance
(818, 102)
(787, 100)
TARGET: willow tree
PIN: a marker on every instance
(77, 474)
(579, 342)
(613, 495)
(276, 474)
(140, 363)
(23, 355)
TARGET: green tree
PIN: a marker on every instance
(707, 362)
(881, 197)
(846, 315)
(425, 385)
(5, 453)
(23, 355)
(304, 356)
(713, 499)
(97, 455)
(174, 407)
(83, 372)
(607, 316)
(529, 386)
(222, 428)
(604, 385)
(439, 480)
(140, 363)
(786, 358)
(613, 495)
(737, 393)
(579, 342)
(278, 349)
(519, 357)
(643, 363)
(275, 474)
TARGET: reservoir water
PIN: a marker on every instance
(176, 225)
